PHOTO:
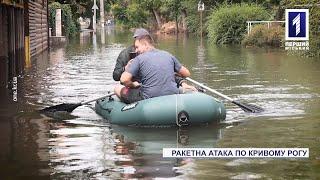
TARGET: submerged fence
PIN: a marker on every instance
(269, 23)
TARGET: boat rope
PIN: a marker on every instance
(107, 109)
(177, 138)
(177, 120)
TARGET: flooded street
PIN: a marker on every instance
(82, 145)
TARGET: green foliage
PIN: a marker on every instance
(174, 7)
(80, 7)
(168, 10)
(314, 44)
(136, 16)
(261, 35)
(227, 24)
(153, 4)
(120, 13)
(69, 25)
(193, 17)
(193, 23)
(129, 14)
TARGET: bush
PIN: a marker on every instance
(261, 35)
(69, 25)
(227, 24)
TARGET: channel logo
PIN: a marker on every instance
(297, 24)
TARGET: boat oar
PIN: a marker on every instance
(69, 107)
(246, 107)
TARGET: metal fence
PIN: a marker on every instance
(269, 23)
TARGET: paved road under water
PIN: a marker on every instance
(82, 145)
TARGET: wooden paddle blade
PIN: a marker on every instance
(61, 107)
(248, 107)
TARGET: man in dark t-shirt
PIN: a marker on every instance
(155, 69)
(122, 61)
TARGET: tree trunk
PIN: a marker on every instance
(177, 27)
(184, 20)
(279, 13)
(158, 19)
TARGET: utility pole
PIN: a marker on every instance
(94, 23)
(201, 23)
(102, 13)
(200, 9)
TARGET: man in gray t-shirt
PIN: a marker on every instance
(156, 70)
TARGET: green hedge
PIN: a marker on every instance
(261, 35)
(69, 25)
(227, 24)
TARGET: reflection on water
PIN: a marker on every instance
(93, 150)
(82, 145)
(81, 151)
(103, 36)
(142, 149)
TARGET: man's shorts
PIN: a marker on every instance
(129, 95)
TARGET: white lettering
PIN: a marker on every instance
(237, 152)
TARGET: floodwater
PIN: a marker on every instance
(82, 145)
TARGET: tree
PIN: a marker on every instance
(154, 7)
(174, 7)
(129, 13)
